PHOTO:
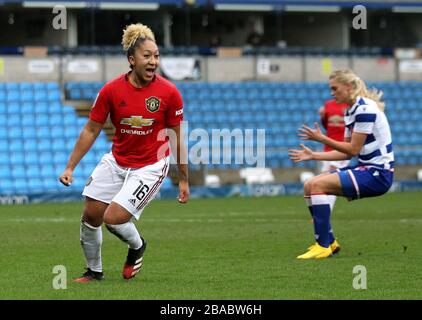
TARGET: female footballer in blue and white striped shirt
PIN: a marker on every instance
(368, 137)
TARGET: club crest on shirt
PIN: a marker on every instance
(152, 104)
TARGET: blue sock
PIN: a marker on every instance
(308, 202)
(321, 213)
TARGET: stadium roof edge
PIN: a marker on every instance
(265, 5)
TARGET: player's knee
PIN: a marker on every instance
(93, 216)
(93, 212)
(308, 185)
(91, 219)
(116, 214)
(316, 186)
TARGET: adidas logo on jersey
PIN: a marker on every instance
(376, 174)
(132, 201)
(122, 103)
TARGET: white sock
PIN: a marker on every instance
(91, 240)
(128, 233)
(331, 200)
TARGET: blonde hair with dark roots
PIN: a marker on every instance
(345, 76)
(134, 35)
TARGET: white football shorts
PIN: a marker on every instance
(131, 188)
(327, 165)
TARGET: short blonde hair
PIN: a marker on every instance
(135, 32)
(345, 76)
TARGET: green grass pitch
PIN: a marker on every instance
(234, 248)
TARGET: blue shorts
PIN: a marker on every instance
(363, 182)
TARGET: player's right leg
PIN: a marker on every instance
(91, 239)
(105, 181)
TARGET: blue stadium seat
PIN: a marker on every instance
(4, 144)
(41, 107)
(3, 108)
(20, 185)
(12, 86)
(7, 187)
(60, 157)
(46, 158)
(27, 108)
(72, 132)
(58, 144)
(25, 86)
(13, 120)
(33, 171)
(69, 120)
(43, 133)
(3, 96)
(5, 171)
(55, 120)
(52, 86)
(54, 95)
(4, 158)
(40, 96)
(26, 96)
(55, 107)
(35, 185)
(37, 86)
(15, 132)
(16, 145)
(31, 157)
(18, 171)
(75, 94)
(42, 120)
(68, 110)
(47, 171)
(13, 96)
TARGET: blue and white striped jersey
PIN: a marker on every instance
(365, 117)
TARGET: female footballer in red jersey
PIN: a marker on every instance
(332, 119)
(142, 106)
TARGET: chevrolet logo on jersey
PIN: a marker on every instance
(137, 121)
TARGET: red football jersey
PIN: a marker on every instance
(139, 116)
(333, 120)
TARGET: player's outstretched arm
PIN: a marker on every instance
(86, 138)
(308, 154)
(301, 155)
(350, 148)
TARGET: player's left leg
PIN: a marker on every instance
(335, 246)
(119, 222)
(317, 189)
(140, 188)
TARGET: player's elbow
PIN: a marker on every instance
(354, 152)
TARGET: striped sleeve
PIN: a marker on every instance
(364, 121)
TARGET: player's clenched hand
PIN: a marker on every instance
(301, 155)
(66, 177)
(183, 192)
